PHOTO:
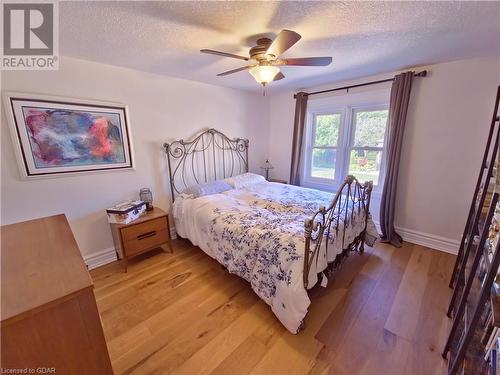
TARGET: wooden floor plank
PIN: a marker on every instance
(251, 351)
(295, 354)
(378, 262)
(403, 317)
(433, 325)
(388, 357)
(160, 263)
(147, 263)
(171, 346)
(382, 313)
(340, 320)
(216, 280)
(368, 325)
(367, 333)
(214, 352)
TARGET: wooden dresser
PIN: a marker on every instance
(49, 313)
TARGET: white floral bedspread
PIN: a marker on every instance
(257, 232)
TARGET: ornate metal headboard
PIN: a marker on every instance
(209, 156)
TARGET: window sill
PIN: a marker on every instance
(331, 187)
(334, 187)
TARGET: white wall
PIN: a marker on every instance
(447, 125)
(446, 130)
(160, 108)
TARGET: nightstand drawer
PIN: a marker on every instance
(139, 237)
(132, 232)
(145, 241)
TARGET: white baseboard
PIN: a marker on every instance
(100, 258)
(432, 241)
(429, 240)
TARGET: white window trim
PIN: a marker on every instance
(318, 182)
(377, 189)
(345, 143)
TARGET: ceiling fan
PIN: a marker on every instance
(265, 61)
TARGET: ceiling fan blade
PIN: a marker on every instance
(282, 42)
(225, 54)
(308, 61)
(234, 71)
(278, 76)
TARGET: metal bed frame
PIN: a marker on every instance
(351, 194)
(211, 155)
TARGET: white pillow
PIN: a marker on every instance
(208, 188)
(244, 180)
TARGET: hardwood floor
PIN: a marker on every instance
(382, 313)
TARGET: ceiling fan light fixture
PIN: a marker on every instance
(264, 58)
(264, 74)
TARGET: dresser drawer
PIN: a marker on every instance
(143, 236)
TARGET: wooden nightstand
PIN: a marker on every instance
(148, 232)
(278, 181)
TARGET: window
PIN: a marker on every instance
(367, 146)
(348, 140)
(324, 145)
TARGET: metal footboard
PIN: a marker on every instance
(351, 197)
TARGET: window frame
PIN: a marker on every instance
(352, 130)
(310, 137)
(345, 144)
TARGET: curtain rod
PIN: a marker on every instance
(423, 73)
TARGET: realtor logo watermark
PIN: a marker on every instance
(30, 39)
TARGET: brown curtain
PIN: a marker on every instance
(298, 137)
(400, 97)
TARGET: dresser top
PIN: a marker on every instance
(40, 264)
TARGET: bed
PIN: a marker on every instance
(282, 239)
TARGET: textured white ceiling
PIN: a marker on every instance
(363, 38)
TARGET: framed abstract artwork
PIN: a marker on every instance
(55, 136)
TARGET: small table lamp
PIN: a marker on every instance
(267, 166)
(146, 196)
